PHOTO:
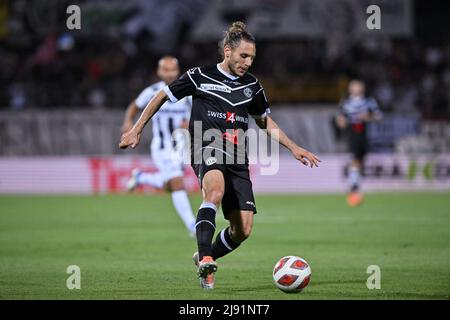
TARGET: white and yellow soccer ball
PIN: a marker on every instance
(291, 274)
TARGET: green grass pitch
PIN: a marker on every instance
(135, 247)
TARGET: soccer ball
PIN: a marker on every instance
(291, 274)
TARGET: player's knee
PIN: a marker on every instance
(242, 234)
(246, 233)
(214, 196)
(175, 184)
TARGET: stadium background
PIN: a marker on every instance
(63, 95)
(64, 91)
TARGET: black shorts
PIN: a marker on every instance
(238, 187)
(358, 146)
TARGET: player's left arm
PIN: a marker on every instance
(274, 131)
(259, 109)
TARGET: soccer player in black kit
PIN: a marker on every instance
(224, 95)
(355, 112)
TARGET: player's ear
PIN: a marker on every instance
(226, 51)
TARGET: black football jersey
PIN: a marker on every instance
(222, 102)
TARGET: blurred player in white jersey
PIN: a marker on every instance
(355, 112)
(166, 152)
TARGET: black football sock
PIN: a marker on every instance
(205, 227)
(223, 244)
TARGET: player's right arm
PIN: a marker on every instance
(188, 105)
(132, 137)
(180, 88)
(131, 112)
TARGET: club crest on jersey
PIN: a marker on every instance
(214, 87)
(248, 92)
(231, 117)
(210, 161)
(192, 71)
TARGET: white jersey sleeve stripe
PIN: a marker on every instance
(169, 93)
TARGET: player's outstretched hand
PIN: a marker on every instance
(130, 139)
(306, 157)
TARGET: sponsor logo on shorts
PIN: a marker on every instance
(210, 161)
(250, 203)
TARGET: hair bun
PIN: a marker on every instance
(237, 27)
(233, 36)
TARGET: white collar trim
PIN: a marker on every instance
(226, 74)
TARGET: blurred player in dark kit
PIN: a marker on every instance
(355, 113)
